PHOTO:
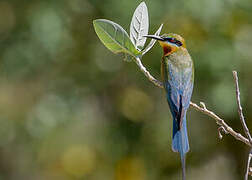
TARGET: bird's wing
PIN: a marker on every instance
(179, 85)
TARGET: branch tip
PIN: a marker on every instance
(220, 130)
(238, 100)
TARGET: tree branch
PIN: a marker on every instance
(244, 125)
(224, 126)
(248, 172)
(147, 74)
(220, 122)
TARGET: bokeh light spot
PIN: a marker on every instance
(135, 104)
(49, 28)
(130, 168)
(243, 41)
(79, 160)
(47, 114)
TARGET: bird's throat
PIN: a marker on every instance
(168, 49)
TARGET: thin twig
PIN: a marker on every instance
(147, 74)
(221, 123)
(202, 109)
(244, 125)
(248, 165)
(220, 130)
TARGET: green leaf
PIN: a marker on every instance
(152, 42)
(114, 37)
(139, 26)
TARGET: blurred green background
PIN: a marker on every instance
(70, 109)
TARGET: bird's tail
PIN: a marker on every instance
(180, 142)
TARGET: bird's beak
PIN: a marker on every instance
(154, 37)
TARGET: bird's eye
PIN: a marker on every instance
(179, 43)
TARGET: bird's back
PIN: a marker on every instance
(178, 75)
(177, 72)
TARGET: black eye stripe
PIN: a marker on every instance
(179, 43)
(174, 41)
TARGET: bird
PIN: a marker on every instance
(177, 72)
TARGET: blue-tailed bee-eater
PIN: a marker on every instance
(177, 73)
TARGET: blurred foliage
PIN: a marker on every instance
(71, 109)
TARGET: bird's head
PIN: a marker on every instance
(169, 42)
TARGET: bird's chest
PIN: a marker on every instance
(173, 68)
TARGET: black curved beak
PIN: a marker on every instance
(154, 37)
